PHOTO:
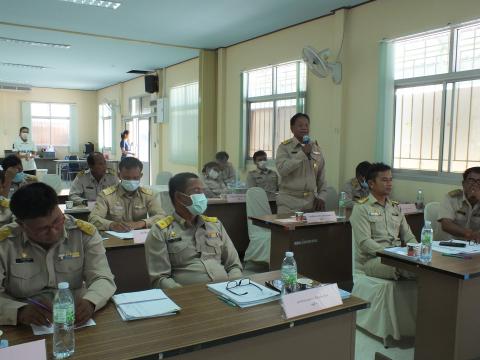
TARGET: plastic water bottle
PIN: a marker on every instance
(426, 243)
(289, 273)
(420, 199)
(342, 200)
(63, 322)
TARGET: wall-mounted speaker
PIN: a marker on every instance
(151, 84)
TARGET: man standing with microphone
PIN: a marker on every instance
(301, 166)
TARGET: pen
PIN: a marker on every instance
(37, 303)
(460, 256)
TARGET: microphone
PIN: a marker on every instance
(306, 141)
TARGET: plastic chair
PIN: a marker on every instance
(430, 213)
(53, 180)
(257, 255)
(163, 177)
(331, 202)
(167, 205)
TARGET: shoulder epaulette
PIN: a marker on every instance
(86, 227)
(110, 171)
(455, 193)
(81, 173)
(362, 200)
(31, 178)
(395, 203)
(5, 232)
(287, 142)
(165, 222)
(355, 182)
(146, 190)
(110, 190)
(4, 203)
(210, 219)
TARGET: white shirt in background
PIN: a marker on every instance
(24, 147)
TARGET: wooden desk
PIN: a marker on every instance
(206, 328)
(448, 299)
(128, 264)
(323, 251)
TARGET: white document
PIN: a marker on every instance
(468, 249)
(410, 208)
(45, 330)
(254, 294)
(320, 216)
(33, 350)
(288, 220)
(144, 304)
(235, 198)
(139, 236)
(401, 251)
(121, 235)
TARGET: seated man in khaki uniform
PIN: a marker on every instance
(357, 188)
(14, 176)
(227, 172)
(214, 185)
(127, 206)
(262, 176)
(187, 247)
(88, 184)
(459, 213)
(377, 223)
(43, 248)
(301, 166)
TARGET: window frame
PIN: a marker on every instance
(137, 118)
(49, 103)
(451, 77)
(299, 96)
(102, 120)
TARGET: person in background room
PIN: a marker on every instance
(26, 150)
(227, 172)
(262, 176)
(214, 186)
(357, 187)
(125, 146)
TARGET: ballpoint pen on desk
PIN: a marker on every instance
(459, 255)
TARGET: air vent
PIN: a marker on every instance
(143, 72)
(15, 87)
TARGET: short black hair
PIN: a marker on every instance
(298, 116)
(11, 161)
(475, 169)
(209, 165)
(130, 163)
(33, 201)
(91, 157)
(23, 128)
(362, 169)
(179, 183)
(375, 169)
(259, 153)
(222, 156)
(123, 133)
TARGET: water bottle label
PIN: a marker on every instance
(60, 316)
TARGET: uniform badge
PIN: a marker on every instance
(374, 213)
(24, 259)
(69, 255)
(213, 235)
(173, 237)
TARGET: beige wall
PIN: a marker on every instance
(343, 118)
(10, 113)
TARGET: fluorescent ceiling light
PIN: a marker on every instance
(34, 43)
(23, 66)
(100, 3)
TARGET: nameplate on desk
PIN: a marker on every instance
(408, 208)
(320, 216)
(235, 198)
(311, 300)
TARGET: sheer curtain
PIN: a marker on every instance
(183, 124)
(385, 119)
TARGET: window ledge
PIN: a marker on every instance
(428, 176)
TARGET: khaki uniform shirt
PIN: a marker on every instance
(228, 174)
(86, 187)
(116, 204)
(28, 270)
(213, 188)
(5, 213)
(457, 208)
(354, 191)
(376, 227)
(178, 254)
(266, 179)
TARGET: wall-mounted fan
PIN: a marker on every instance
(317, 62)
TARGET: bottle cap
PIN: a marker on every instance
(289, 254)
(63, 285)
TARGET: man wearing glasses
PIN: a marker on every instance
(45, 247)
(188, 247)
(459, 213)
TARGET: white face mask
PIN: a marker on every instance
(213, 174)
(130, 185)
(262, 164)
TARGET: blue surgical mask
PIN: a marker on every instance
(19, 177)
(199, 204)
(130, 185)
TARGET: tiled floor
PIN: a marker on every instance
(366, 345)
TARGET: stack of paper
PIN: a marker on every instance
(144, 304)
(256, 294)
(468, 249)
(138, 236)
